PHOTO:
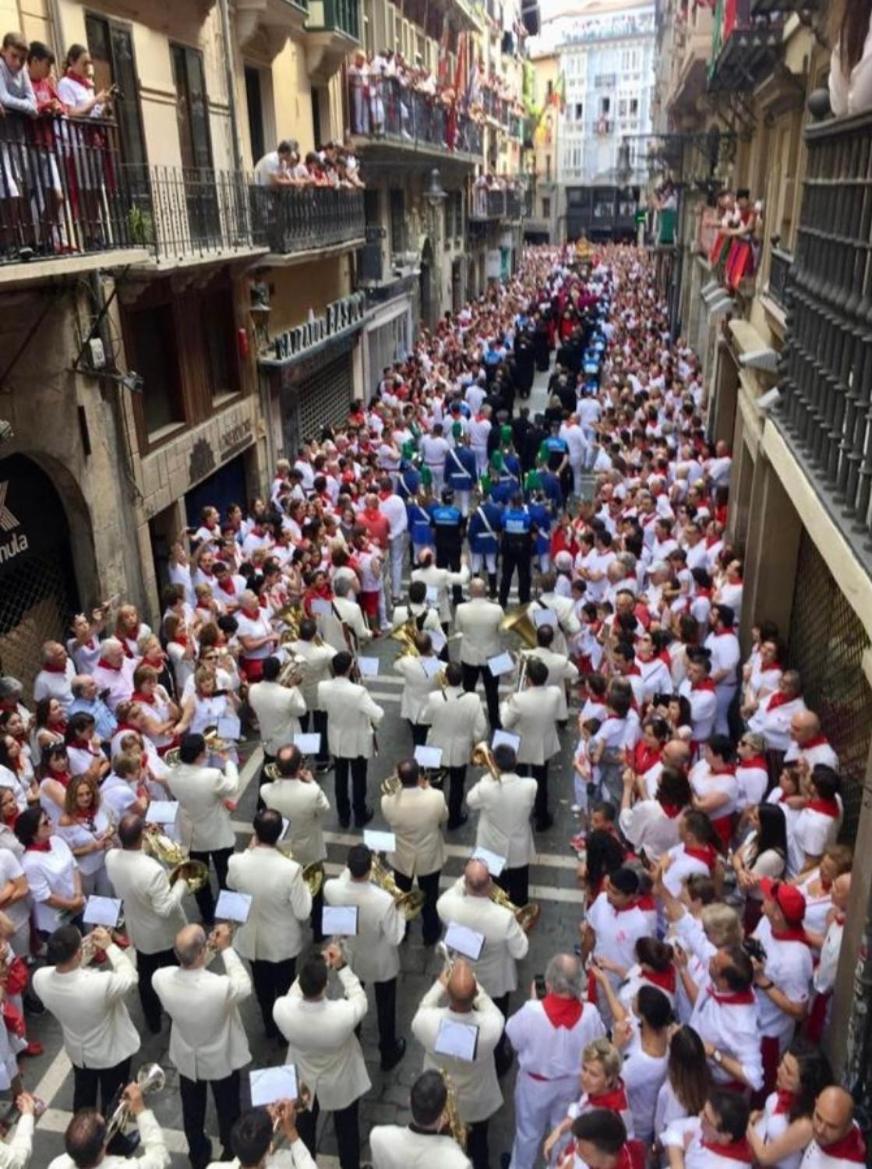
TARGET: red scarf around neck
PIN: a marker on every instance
(108, 665)
(54, 669)
(783, 1103)
(756, 761)
(825, 807)
(664, 979)
(736, 1150)
(148, 699)
(703, 852)
(815, 741)
(39, 846)
(561, 1012)
(706, 684)
(850, 1147)
(738, 998)
(227, 586)
(779, 698)
(793, 933)
(615, 1099)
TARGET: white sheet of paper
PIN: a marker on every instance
(379, 841)
(229, 727)
(162, 812)
(320, 607)
(271, 1084)
(508, 737)
(544, 617)
(501, 664)
(431, 666)
(432, 595)
(438, 640)
(457, 1039)
(339, 921)
(233, 906)
(285, 826)
(368, 667)
(102, 911)
(428, 756)
(309, 744)
(465, 941)
(495, 864)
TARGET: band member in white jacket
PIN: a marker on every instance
(204, 818)
(85, 1139)
(278, 709)
(456, 721)
(253, 1135)
(16, 1154)
(325, 1050)
(352, 720)
(427, 1142)
(504, 804)
(208, 1044)
(479, 620)
(456, 997)
(271, 938)
(418, 672)
(533, 714)
(373, 953)
(153, 913)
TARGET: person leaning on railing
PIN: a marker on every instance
(851, 63)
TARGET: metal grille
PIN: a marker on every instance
(827, 643)
(324, 398)
(36, 601)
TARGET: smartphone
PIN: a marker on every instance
(541, 989)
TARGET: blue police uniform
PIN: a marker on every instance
(481, 539)
(420, 528)
(542, 518)
(517, 551)
(448, 532)
(408, 481)
(557, 449)
(504, 487)
(460, 469)
(550, 484)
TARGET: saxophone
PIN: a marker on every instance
(453, 1124)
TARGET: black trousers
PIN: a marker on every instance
(315, 919)
(476, 1144)
(205, 900)
(317, 719)
(88, 1082)
(225, 1093)
(517, 553)
(502, 1051)
(146, 964)
(516, 883)
(386, 1013)
(263, 778)
(540, 774)
(271, 981)
(456, 787)
(419, 734)
(431, 927)
(346, 1125)
(357, 769)
(491, 690)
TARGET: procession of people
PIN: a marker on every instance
(563, 607)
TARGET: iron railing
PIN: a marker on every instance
(303, 219)
(340, 15)
(779, 267)
(63, 190)
(826, 371)
(495, 205)
(382, 108)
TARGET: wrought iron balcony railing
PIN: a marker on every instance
(495, 205)
(779, 267)
(303, 219)
(826, 368)
(63, 190)
(381, 108)
(745, 45)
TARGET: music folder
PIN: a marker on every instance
(339, 921)
(268, 1085)
(233, 906)
(464, 940)
(459, 1040)
(102, 911)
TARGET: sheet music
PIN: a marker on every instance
(339, 921)
(271, 1084)
(457, 1039)
(464, 940)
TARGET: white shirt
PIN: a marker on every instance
(48, 873)
(617, 930)
(394, 510)
(548, 1051)
(54, 684)
(789, 965)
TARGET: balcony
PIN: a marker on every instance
(392, 116)
(826, 369)
(744, 47)
(332, 31)
(65, 202)
(760, 7)
(296, 223)
(780, 262)
(495, 205)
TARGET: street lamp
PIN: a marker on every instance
(435, 193)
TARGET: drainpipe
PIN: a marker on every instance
(224, 6)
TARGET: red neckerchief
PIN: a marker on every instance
(54, 669)
(671, 810)
(123, 726)
(738, 998)
(815, 741)
(701, 592)
(736, 1150)
(633, 671)
(615, 1099)
(850, 1147)
(38, 846)
(85, 81)
(10, 819)
(227, 586)
(255, 616)
(825, 807)
(181, 639)
(86, 818)
(646, 901)
(108, 665)
(561, 1012)
(755, 761)
(702, 852)
(138, 696)
(705, 684)
(634, 904)
(725, 633)
(664, 979)
(123, 639)
(84, 745)
(793, 933)
(728, 769)
(665, 657)
(779, 698)
(644, 758)
(783, 1103)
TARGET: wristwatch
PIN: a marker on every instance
(717, 1057)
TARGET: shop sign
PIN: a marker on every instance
(339, 317)
(234, 439)
(32, 518)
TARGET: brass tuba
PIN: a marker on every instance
(519, 621)
(291, 616)
(409, 904)
(175, 856)
(526, 916)
(483, 756)
(405, 635)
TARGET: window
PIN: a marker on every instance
(254, 105)
(192, 107)
(622, 108)
(219, 343)
(154, 355)
(111, 48)
(548, 168)
(398, 222)
(579, 110)
(605, 106)
(546, 208)
(634, 107)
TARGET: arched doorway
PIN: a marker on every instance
(38, 592)
(426, 284)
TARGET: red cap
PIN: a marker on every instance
(789, 899)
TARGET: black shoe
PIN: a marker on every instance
(323, 768)
(458, 823)
(344, 822)
(33, 1004)
(545, 823)
(388, 1062)
(368, 814)
(124, 1144)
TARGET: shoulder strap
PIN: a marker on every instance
(479, 511)
(457, 461)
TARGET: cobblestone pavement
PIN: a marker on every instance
(552, 885)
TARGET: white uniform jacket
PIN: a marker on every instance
(504, 808)
(372, 954)
(153, 1153)
(418, 685)
(201, 791)
(457, 722)
(322, 1044)
(278, 709)
(153, 913)
(207, 1039)
(347, 613)
(479, 622)
(89, 1005)
(560, 671)
(304, 803)
(315, 669)
(533, 714)
(568, 623)
(441, 579)
(295, 1157)
(352, 717)
(416, 815)
(280, 902)
(504, 940)
(393, 1147)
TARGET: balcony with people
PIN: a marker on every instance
(745, 46)
(496, 197)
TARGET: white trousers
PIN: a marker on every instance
(724, 696)
(399, 547)
(476, 559)
(480, 453)
(461, 499)
(438, 474)
(540, 1105)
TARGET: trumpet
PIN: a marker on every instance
(447, 960)
(89, 949)
(313, 873)
(391, 785)
(409, 904)
(483, 756)
(302, 1104)
(525, 915)
(151, 1079)
(211, 949)
(169, 852)
(215, 746)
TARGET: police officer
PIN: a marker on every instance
(408, 480)
(542, 511)
(460, 469)
(485, 525)
(554, 454)
(519, 530)
(419, 510)
(448, 530)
